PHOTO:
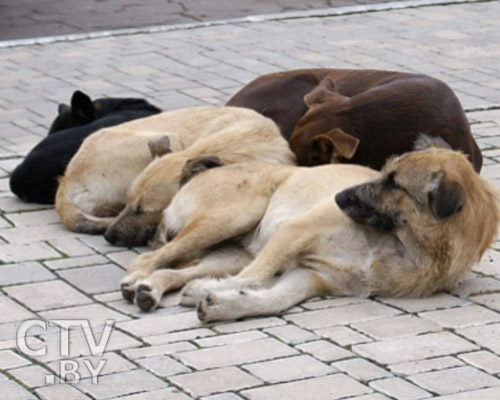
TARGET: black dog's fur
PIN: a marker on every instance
(35, 179)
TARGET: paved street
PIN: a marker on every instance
(445, 347)
(27, 18)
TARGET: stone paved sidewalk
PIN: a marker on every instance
(447, 346)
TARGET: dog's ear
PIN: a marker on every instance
(321, 93)
(333, 143)
(82, 106)
(159, 147)
(425, 142)
(197, 165)
(62, 108)
(447, 198)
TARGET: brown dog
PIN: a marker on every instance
(415, 228)
(358, 116)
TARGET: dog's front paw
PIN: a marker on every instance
(222, 306)
(196, 290)
(147, 296)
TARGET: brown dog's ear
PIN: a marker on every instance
(333, 143)
(197, 165)
(321, 93)
(447, 199)
(160, 146)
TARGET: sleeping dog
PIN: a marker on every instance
(35, 179)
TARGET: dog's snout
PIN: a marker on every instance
(343, 199)
(110, 236)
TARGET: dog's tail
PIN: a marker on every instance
(76, 219)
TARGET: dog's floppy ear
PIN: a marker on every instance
(159, 147)
(333, 142)
(82, 106)
(321, 93)
(197, 165)
(61, 108)
(424, 142)
(447, 198)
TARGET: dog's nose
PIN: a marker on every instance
(343, 199)
(110, 236)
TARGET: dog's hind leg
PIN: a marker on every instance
(201, 231)
(291, 288)
(224, 261)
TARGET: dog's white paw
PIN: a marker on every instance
(222, 306)
(198, 289)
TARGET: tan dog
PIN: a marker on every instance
(251, 137)
(94, 187)
(415, 228)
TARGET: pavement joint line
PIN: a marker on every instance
(321, 13)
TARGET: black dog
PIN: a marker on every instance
(35, 179)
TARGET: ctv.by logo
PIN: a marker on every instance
(69, 371)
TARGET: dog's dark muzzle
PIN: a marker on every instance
(360, 211)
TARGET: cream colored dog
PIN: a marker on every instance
(94, 187)
(415, 228)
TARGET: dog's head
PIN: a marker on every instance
(318, 137)
(151, 192)
(421, 188)
(83, 110)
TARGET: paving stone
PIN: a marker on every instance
(115, 385)
(342, 335)
(485, 336)
(150, 351)
(491, 301)
(113, 363)
(60, 392)
(361, 370)
(32, 376)
(12, 312)
(180, 336)
(327, 387)
(47, 295)
(71, 247)
(98, 279)
(399, 389)
(483, 360)
(35, 218)
(414, 348)
(163, 366)
(223, 396)
(477, 286)
(341, 315)
(462, 317)
(291, 334)
(76, 262)
(11, 253)
(455, 380)
(325, 351)
(213, 381)
(95, 314)
(230, 339)
(163, 394)
(491, 393)
(433, 364)
(436, 302)
(13, 391)
(404, 325)
(288, 369)
(249, 325)
(9, 359)
(235, 354)
(155, 325)
(23, 273)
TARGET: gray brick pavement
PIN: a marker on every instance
(446, 346)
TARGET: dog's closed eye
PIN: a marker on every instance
(390, 182)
